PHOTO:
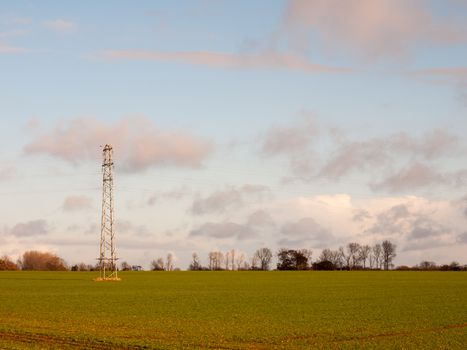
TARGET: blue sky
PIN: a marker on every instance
(306, 112)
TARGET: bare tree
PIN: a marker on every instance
(124, 266)
(227, 260)
(216, 260)
(211, 260)
(326, 255)
(352, 255)
(364, 253)
(169, 265)
(255, 262)
(347, 258)
(263, 257)
(377, 252)
(157, 265)
(337, 258)
(232, 258)
(240, 261)
(307, 253)
(340, 256)
(219, 260)
(85, 267)
(427, 265)
(389, 253)
(195, 263)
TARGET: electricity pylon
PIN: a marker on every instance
(107, 257)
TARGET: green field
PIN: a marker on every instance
(234, 310)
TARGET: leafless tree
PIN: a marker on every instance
(124, 266)
(227, 260)
(157, 265)
(255, 262)
(339, 257)
(389, 253)
(219, 260)
(195, 263)
(85, 267)
(232, 258)
(211, 260)
(377, 253)
(262, 258)
(307, 253)
(336, 257)
(364, 253)
(216, 260)
(427, 265)
(352, 255)
(326, 255)
(240, 261)
(169, 265)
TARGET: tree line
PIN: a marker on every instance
(432, 266)
(352, 256)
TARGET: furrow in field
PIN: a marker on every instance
(60, 342)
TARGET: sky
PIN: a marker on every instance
(235, 125)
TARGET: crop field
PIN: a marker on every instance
(234, 310)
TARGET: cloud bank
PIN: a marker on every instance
(372, 29)
(137, 141)
(29, 229)
(231, 198)
(397, 162)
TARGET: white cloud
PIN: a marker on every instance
(138, 143)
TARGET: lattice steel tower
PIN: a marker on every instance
(107, 257)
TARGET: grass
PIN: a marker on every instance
(234, 310)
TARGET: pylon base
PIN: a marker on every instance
(107, 279)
